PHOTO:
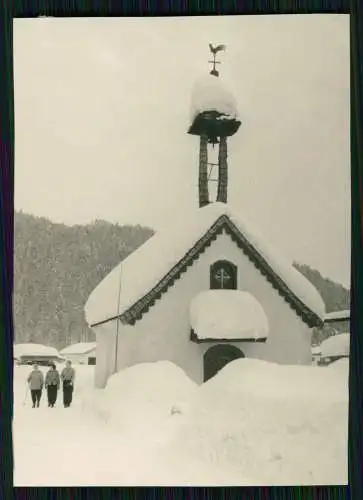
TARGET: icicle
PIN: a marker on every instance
(203, 171)
(222, 171)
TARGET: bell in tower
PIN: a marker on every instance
(214, 119)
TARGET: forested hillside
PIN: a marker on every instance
(336, 298)
(55, 269)
(57, 266)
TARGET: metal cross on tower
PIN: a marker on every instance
(214, 51)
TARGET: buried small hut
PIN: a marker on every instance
(31, 353)
(83, 353)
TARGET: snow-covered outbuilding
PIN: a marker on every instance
(83, 353)
(334, 348)
(158, 303)
(339, 320)
(336, 316)
(29, 353)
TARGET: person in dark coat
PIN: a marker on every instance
(68, 376)
(52, 383)
(36, 382)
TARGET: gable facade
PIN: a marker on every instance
(164, 332)
(223, 225)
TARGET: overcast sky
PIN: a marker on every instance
(102, 109)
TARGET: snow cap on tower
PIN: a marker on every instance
(213, 108)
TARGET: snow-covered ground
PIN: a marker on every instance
(64, 447)
(279, 425)
(255, 423)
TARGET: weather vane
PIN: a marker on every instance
(214, 51)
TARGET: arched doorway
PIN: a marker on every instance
(217, 357)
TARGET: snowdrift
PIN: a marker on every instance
(255, 423)
(272, 381)
(283, 425)
(143, 398)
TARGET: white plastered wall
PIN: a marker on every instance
(105, 353)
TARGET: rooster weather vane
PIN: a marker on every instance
(214, 52)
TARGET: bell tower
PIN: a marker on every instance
(214, 119)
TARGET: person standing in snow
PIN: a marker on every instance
(52, 383)
(68, 375)
(36, 382)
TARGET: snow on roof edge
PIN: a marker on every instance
(177, 241)
(342, 315)
(79, 348)
(34, 349)
(227, 314)
(336, 345)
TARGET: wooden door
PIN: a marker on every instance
(217, 357)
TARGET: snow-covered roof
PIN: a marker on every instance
(228, 315)
(341, 364)
(34, 350)
(209, 94)
(149, 271)
(337, 316)
(79, 348)
(337, 345)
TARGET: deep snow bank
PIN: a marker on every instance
(273, 381)
(143, 398)
(255, 423)
(278, 424)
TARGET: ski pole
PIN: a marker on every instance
(26, 394)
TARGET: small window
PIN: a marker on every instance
(223, 275)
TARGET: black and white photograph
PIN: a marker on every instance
(182, 251)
